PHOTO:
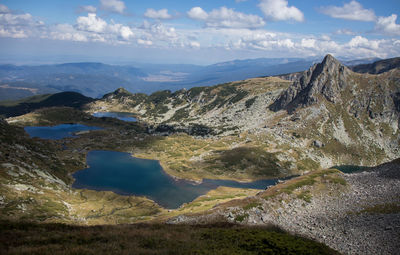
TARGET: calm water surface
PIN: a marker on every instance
(126, 175)
(58, 132)
(125, 116)
(350, 168)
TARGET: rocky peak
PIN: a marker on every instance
(121, 91)
(324, 80)
(118, 93)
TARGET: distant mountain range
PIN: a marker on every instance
(97, 79)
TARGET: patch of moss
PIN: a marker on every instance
(251, 205)
(250, 102)
(336, 180)
(241, 217)
(180, 115)
(258, 161)
(305, 195)
(307, 164)
(305, 182)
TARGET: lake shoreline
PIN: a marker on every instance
(161, 187)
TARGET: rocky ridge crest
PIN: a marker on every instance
(326, 79)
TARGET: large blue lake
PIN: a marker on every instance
(126, 175)
(125, 116)
(58, 132)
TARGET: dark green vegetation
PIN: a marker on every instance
(31, 238)
(20, 107)
(252, 160)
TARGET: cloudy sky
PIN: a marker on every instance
(198, 32)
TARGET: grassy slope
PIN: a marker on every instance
(19, 107)
(30, 238)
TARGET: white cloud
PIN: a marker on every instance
(116, 6)
(4, 9)
(125, 32)
(387, 25)
(325, 38)
(160, 14)
(197, 13)
(279, 10)
(350, 11)
(15, 19)
(12, 33)
(194, 44)
(87, 8)
(91, 23)
(344, 31)
(18, 25)
(224, 29)
(308, 43)
(144, 42)
(158, 31)
(67, 32)
(97, 29)
(362, 42)
(226, 18)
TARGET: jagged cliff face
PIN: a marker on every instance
(326, 79)
(330, 80)
(327, 114)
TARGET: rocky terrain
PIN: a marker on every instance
(356, 213)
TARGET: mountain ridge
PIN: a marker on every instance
(318, 80)
(96, 79)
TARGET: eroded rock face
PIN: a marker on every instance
(325, 79)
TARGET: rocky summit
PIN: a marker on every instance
(327, 79)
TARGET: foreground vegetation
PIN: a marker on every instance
(33, 238)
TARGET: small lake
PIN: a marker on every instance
(127, 175)
(348, 169)
(125, 116)
(59, 131)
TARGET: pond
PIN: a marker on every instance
(350, 168)
(127, 175)
(125, 116)
(59, 131)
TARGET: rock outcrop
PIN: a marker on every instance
(326, 79)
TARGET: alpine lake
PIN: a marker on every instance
(126, 175)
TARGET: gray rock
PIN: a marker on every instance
(318, 144)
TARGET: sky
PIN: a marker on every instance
(195, 32)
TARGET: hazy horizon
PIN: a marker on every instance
(189, 32)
